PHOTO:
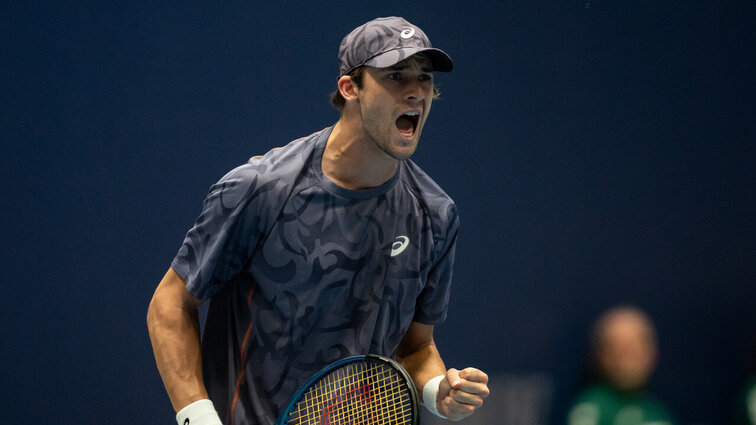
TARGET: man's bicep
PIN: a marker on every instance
(172, 288)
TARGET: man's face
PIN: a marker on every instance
(627, 353)
(394, 104)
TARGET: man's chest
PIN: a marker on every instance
(321, 237)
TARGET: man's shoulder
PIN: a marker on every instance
(424, 187)
(596, 392)
(280, 160)
(591, 405)
(658, 408)
(609, 400)
(436, 203)
(266, 177)
(434, 199)
(277, 163)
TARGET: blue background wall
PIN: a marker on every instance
(599, 152)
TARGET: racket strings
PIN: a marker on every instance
(355, 402)
(357, 394)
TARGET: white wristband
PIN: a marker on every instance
(201, 412)
(430, 391)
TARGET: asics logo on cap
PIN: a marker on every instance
(384, 42)
(408, 32)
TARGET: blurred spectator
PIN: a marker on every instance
(624, 354)
(747, 404)
(746, 414)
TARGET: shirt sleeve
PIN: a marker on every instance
(225, 234)
(433, 301)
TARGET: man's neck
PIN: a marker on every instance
(352, 160)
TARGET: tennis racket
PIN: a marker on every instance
(358, 390)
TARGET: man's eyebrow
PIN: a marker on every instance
(401, 67)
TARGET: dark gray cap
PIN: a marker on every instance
(384, 42)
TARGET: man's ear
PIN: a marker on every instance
(348, 88)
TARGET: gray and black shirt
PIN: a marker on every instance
(302, 272)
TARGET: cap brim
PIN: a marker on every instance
(439, 59)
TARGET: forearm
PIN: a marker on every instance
(174, 332)
(422, 362)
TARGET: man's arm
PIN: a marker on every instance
(460, 393)
(173, 323)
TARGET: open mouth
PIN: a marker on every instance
(407, 123)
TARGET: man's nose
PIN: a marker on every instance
(414, 90)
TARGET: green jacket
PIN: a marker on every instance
(603, 405)
(747, 404)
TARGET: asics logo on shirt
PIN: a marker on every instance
(399, 245)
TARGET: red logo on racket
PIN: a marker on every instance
(350, 408)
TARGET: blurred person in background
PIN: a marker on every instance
(747, 404)
(624, 354)
(746, 413)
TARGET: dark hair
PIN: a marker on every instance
(337, 100)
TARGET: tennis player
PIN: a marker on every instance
(336, 244)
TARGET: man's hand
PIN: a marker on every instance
(460, 393)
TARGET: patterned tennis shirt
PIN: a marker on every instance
(301, 272)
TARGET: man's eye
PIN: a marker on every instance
(425, 77)
(395, 76)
